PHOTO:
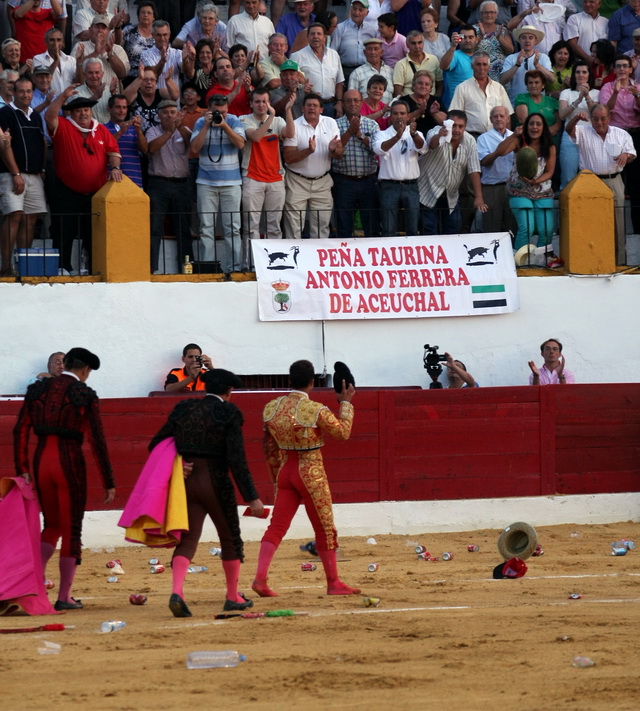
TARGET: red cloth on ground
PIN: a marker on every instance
(21, 581)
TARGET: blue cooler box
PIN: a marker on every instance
(38, 262)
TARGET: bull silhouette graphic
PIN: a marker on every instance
(477, 255)
(284, 257)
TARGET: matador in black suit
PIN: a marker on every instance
(208, 433)
(61, 411)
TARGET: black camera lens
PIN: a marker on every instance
(216, 117)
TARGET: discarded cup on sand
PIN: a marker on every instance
(47, 647)
(583, 662)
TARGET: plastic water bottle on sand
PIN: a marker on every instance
(112, 625)
(213, 660)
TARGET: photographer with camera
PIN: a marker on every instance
(217, 138)
(189, 377)
(456, 369)
(458, 375)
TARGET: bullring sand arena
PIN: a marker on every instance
(445, 636)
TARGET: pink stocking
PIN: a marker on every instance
(334, 585)
(67, 574)
(46, 551)
(232, 574)
(179, 568)
(267, 551)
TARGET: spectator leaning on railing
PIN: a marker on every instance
(83, 149)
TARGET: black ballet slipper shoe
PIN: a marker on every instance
(178, 606)
(64, 605)
(230, 605)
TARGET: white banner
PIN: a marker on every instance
(393, 277)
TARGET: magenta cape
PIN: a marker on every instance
(21, 585)
(156, 512)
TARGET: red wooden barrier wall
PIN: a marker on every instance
(411, 445)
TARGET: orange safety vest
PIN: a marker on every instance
(197, 384)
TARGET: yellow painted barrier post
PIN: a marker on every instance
(121, 235)
(587, 226)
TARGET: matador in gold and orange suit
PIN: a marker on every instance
(294, 433)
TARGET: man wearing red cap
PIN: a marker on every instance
(60, 411)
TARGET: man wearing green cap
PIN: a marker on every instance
(290, 86)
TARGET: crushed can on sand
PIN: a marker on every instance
(308, 567)
(447, 556)
(154, 561)
(138, 599)
(372, 567)
(114, 563)
(371, 601)
(157, 569)
(618, 551)
(420, 549)
(425, 555)
(472, 548)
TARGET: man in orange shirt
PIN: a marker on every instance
(262, 171)
(188, 378)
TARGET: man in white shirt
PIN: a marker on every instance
(322, 68)
(161, 56)
(308, 184)
(83, 18)
(605, 150)
(495, 171)
(100, 45)
(478, 95)
(585, 28)
(95, 87)
(399, 147)
(113, 6)
(250, 28)
(61, 65)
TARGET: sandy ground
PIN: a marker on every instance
(445, 635)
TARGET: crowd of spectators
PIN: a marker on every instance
(286, 122)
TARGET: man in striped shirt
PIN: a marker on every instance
(217, 138)
(128, 134)
(452, 153)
